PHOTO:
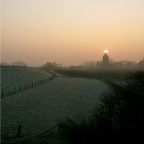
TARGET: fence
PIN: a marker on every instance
(21, 88)
(61, 129)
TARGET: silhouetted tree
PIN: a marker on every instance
(51, 66)
(141, 63)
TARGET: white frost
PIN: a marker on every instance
(41, 107)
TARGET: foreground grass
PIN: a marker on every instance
(119, 116)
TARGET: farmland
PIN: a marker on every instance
(41, 107)
(12, 78)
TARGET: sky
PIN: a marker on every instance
(71, 31)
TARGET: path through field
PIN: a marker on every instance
(41, 107)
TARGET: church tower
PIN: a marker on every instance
(105, 58)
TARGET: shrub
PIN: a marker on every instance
(119, 116)
(122, 109)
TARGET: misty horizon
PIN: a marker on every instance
(71, 32)
(84, 63)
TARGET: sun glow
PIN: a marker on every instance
(106, 51)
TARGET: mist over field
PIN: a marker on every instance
(72, 72)
(36, 100)
(100, 100)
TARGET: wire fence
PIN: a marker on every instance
(17, 89)
(58, 130)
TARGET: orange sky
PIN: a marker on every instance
(71, 31)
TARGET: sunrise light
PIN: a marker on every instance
(106, 51)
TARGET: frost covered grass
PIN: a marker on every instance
(41, 107)
(15, 77)
(101, 114)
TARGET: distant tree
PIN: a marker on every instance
(89, 64)
(141, 63)
(51, 66)
(19, 63)
(4, 64)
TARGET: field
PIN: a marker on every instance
(12, 78)
(41, 107)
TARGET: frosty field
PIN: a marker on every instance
(43, 106)
(14, 77)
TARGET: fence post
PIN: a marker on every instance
(19, 131)
(2, 93)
